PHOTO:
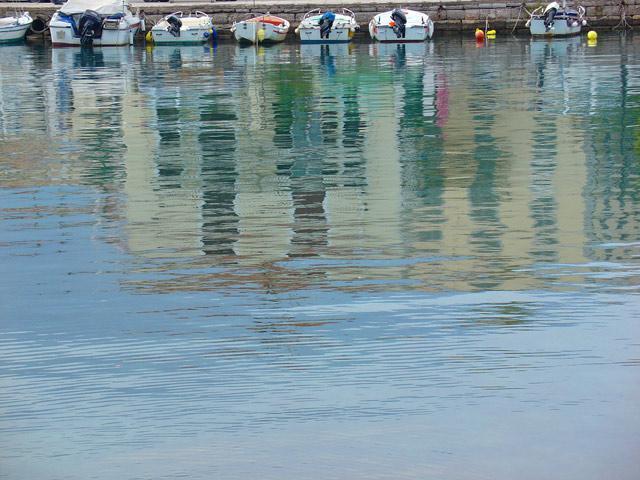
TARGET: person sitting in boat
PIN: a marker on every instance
(399, 22)
(326, 22)
(549, 14)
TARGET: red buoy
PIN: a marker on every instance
(479, 35)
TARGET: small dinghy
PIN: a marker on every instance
(265, 28)
(556, 21)
(327, 27)
(14, 29)
(401, 25)
(178, 28)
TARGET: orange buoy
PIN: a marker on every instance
(479, 35)
(392, 23)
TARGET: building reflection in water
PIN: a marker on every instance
(393, 161)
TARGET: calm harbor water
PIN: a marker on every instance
(312, 262)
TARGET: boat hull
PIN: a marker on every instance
(248, 32)
(192, 36)
(13, 33)
(336, 35)
(415, 33)
(62, 34)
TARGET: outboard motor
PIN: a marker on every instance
(400, 21)
(89, 27)
(326, 22)
(549, 14)
(174, 25)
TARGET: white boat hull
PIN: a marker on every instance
(415, 33)
(13, 33)
(419, 27)
(188, 36)
(248, 32)
(336, 35)
(62, 34)
(561, 28)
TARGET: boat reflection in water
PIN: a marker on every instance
(222, 154)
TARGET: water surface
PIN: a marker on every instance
(321, 262)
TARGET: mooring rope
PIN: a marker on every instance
(522, 7)
(623, 24)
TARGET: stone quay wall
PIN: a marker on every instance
(448, 15)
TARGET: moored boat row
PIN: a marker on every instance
(111, 23)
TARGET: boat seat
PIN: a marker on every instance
(270, 20)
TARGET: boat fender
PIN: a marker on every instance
(214, 35)
(149, 37)
(174, 25)
(39, 25)
(326, 22)
(89, 27)
(260, 35)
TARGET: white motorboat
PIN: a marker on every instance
(178, 28)
(327, 27)
(401, 25)
(554, 20)
(94, 22)
(265, 28)
(13, 29)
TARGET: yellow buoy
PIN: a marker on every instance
(491, 32)
(592, 35)
(148, 37)
(260, 35)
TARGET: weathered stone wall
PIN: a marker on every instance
(448, 15)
